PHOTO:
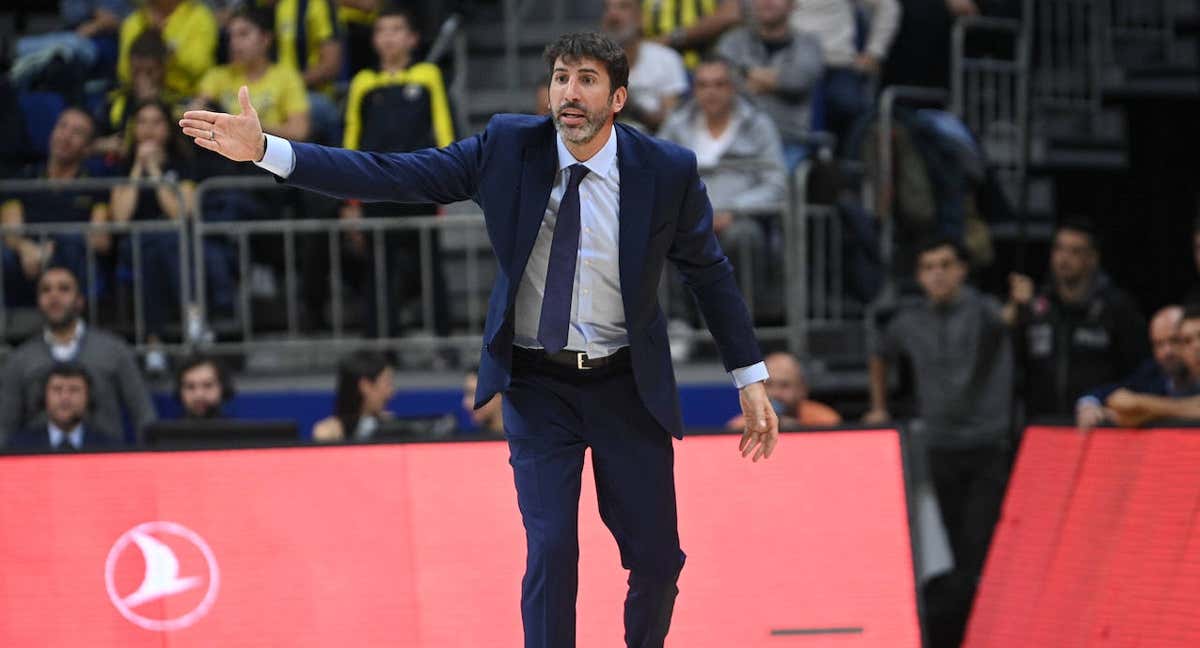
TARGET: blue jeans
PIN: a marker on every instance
(162, 278)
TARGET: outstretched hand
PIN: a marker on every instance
(762, 424)
(237, 137)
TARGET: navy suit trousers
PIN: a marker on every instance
(551, 415)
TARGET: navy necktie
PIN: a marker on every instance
(560, 272)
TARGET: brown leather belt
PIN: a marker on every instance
(577, 360)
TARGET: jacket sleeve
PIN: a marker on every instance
(434, 175)
(801, 66)
(770, 187)
(709, 275)
(135, 398)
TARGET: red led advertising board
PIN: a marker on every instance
(1098, 544)
(421, 545)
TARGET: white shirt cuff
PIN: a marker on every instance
(749, 375)
(1088, 400)
(279, 158)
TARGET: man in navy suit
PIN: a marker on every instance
(67, 400)
(582, 216)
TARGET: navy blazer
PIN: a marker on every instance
(1149, 378)
(508, 170)
(36, 438)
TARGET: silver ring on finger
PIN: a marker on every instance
(212, 135)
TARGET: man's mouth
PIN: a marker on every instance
(572, 117)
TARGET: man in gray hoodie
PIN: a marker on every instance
(110, 363)
(779, 67)
(740, 160)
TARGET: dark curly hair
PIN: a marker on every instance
(594, 45)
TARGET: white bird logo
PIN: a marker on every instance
(162, 572)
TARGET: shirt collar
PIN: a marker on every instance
(53, 341)
(600, 163)
(75, 435)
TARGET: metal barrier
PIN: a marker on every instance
(43, 231)
(1071, 43)
(1142, 32)
(990, 94)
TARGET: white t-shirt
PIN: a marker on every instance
(659, 72)
(709, 149)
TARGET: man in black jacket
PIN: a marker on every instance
(1078, 332)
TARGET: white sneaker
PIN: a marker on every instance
(156, 362)
(680, 335)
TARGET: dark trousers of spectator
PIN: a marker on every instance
(161, 276)
(402, 276)
(844, 92)
(970, 486)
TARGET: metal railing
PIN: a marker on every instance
(805, 282)
(135, 230)
(991, 95)
(1072, 44)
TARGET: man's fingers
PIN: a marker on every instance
(198, 133)
(744, 440)
(754, 443)
(244, 99)
(204, 142)
(207, 116)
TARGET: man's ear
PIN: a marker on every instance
(618, 99)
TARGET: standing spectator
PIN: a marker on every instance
(308, 39)
(958, 344)
(67, 396)
(488, 418)
(190, 32)
(1166, 374)
(24, 255)
(657, 76)
(1078, 332)
(278, 90)
(780, 68)
(117, 387)
(848, 69)
(203, 387)
(788, 391)
(400, 107)
(157, 153)
(740, 160)
(920, 54)
(365, 384)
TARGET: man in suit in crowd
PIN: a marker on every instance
(67, 398)
(575, 338)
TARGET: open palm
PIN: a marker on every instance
(237, 137)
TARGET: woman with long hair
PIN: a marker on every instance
(365, 383)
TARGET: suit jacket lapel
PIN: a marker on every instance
(635, 204)
(538, 168)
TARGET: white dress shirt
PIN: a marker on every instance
(597, 325)
(75, 436)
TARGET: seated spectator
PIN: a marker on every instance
(848, 71)
(66, 393)
(147, 82)
(657, 76)
(84, 47)
(277, 89)
(26, 254)
(190, 32)
(958, 344)
(203, 387)
(400, 107)
(780, 67)
(788, 391)
(117, 387)
(365, 384)
(312, 44)
(488, 419)
(157, 152)
(689, 26)
(740, 160)
(1165, 374)
(1078, 332)
(1129, 408)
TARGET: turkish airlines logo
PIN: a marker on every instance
(161, 576)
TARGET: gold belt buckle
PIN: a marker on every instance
(580, 356)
